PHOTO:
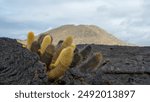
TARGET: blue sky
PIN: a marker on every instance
(128, 20)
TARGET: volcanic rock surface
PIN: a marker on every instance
(120, 65)
(18, 65)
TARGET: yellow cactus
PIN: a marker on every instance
(73, 46)
(41, 37)
(64, 54)
(62, 63)
(46, 41)
(67, 42)
(48, 55)
(30, 40)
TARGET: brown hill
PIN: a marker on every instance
(84, 34)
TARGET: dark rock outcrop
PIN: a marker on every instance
(18, 65)
(121, 65)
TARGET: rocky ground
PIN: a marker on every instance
(120, 65)
(18, 65)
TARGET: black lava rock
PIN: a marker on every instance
(121, 65)
(19, 65)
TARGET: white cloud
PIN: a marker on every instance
(126, 19)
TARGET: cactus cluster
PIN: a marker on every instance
(58, 59)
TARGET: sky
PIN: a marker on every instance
(129, 20)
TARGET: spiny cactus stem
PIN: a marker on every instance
(66, 43)
(62, 63)
(45, 43)
(30, 39)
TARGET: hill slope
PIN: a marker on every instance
(84, 34)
